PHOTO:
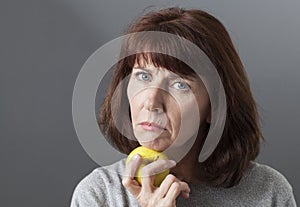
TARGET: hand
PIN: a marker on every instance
(148, 195)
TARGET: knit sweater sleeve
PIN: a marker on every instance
(87, 194)
(291, 202)
(103, 187)
(283, 192)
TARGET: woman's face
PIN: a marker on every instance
(165, 108)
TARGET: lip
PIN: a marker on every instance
(151, 126)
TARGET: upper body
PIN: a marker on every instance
(181, 88)
(261, 186)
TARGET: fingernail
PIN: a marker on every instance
(136, 156)
(172, 162)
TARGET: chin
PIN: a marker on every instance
(156, 145)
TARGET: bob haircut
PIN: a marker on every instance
(240, 141)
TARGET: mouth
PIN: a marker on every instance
(151, 126)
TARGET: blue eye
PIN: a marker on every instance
(181, 85)
(143, 76)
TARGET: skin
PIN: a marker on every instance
(169, 102)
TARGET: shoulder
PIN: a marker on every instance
(101, 175)
(267, 178)
(270, 175)
(94, 188)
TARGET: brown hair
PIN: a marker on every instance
(241, 137)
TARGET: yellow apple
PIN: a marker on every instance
(148, 156)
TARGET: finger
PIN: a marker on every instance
(128, 180)
(175, 189)
(150, 170)
(132, 166)
(185, 195)
(166, 184)
(132, 186)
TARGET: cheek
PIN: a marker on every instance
(193, 111)
(185, 120)
(133, 100)
(136, 103)
(190, 118)
(134, 110)
(130, 91)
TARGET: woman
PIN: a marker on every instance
(160, 102)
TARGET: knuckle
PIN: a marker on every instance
(146, 171)
(126, 182)
(171, 178)
(164, 162)
(176, 185)
(152, 203)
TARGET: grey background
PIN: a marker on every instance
(43, 45)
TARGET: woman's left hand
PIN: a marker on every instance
(148, 195)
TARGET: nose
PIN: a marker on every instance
(154, 101)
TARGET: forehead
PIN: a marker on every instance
(156, 61)
(150, 68)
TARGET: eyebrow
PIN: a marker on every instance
(142, 68)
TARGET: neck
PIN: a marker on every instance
(187, 169)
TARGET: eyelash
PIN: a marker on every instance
(139, 77)
(187, 87)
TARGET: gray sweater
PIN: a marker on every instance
(261, 186)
